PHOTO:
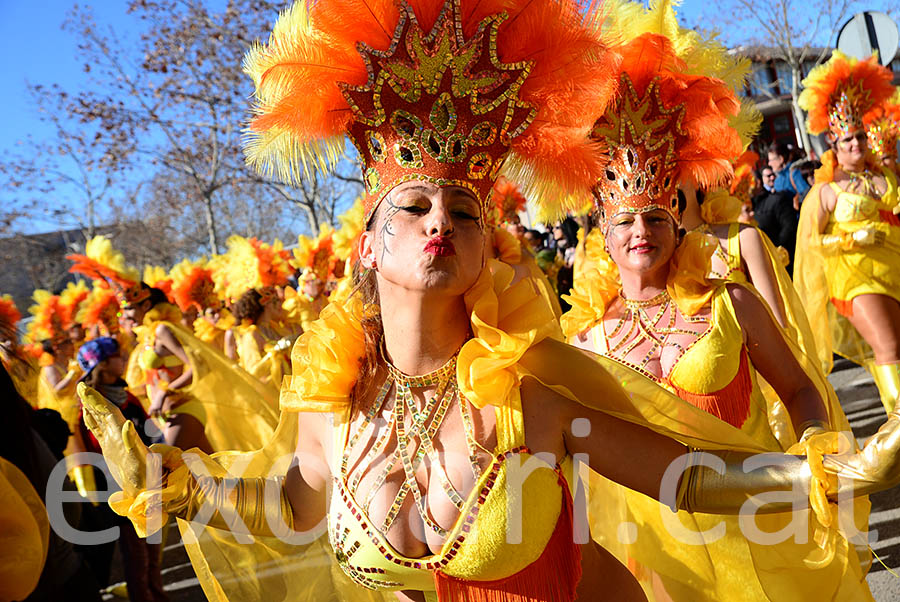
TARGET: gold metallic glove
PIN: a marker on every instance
(723, 489)
(125, 453)
(254, 506)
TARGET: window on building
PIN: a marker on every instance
(761, 80)
(785, 77)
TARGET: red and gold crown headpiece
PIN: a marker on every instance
(315, 256)
(100, 311)
(883, 127)
(193, 286)
(743, 184)
(837, 94)
(104, 263)
(675, 118)
(665, 127)
(446, 91)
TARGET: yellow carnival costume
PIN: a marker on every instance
(420, 103)
(318, 260)
(857, 252)
(251, 264)
(652, 150)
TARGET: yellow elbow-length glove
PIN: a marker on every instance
(157, 483)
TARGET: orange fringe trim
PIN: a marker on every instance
(889, 217)
(845, 308)
(553, 577)
(731, 403)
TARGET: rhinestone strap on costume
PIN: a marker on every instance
(638, 327)
(414, 429)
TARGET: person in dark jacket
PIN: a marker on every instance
(775, 214)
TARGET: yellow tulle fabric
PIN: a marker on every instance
(820, 276)
(240, 413)
(514, 338)
(719, 207)
(24, 534)
(268, 365)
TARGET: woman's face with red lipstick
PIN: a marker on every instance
(426, 236)
(641, 242)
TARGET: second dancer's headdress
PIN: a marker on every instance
(883, 127)
(666, 126)
(446, 91)
(838, 94)
(508, 200)
(743, 184)
(9, 317)
(315, 256)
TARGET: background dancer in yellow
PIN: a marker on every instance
(848, 241)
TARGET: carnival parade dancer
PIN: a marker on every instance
(202, 400)
(252, 274)
(317, 261)
(651, 306)
(193, 290)
(413, 403)
(848, 241)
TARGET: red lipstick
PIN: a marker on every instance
(440, 246)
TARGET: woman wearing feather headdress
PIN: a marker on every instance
(433, 414)
(20, 366)
(883, 130)
(649, 304)
(848, 241)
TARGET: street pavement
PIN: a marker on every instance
(860, 401)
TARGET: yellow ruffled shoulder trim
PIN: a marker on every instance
(594, 290)
(507, 319)
(688, 285)
(719, 207)
(163, 312)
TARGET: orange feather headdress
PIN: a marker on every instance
(252, 264)
(743, 184)
(665, 127)
(70, 301)
(507, 199)
(102, 262)
(100, 310)
(46, 323)
(446, 91)
(193, 286)
(883, 127)
(837, 94)
(315, 256)
(155, 276)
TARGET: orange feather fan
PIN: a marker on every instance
(321, 57)
(743, 183)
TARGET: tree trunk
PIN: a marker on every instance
(210, 224)
(799, 117)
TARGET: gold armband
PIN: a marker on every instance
(257, 506)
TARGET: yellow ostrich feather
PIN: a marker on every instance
(352, 225)
(156, 276)
(101, 250)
